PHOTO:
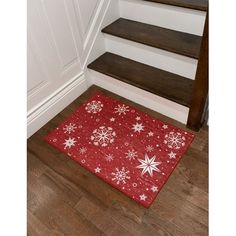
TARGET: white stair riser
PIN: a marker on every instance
(155, 57)
(176, 18)
(137, 95)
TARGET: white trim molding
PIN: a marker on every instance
(51, 106)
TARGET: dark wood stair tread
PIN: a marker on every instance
(162, 83)
(170, 40)
(201, 5)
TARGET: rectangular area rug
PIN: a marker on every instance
(130, 150)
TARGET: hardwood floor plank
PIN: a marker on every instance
(100, 218)
(52, 210)
(36, 228)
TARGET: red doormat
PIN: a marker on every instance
(130, 150)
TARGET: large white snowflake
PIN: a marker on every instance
(103, 136)
(149, 165)
(69, 128)
(120, 176)
(138, 127)
(121, 109)
(94, 107)
(131, 154)
(174, 140)
(69, 142)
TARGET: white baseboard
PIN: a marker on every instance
(171, 17)
(51, 106)
(168, 61)
(137, 95)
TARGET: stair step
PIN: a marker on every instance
(201, 5)
(166, 39)
(159, 82)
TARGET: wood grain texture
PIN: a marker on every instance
(162, 83)
(66, 199)
(200, 86)
(201, 5)
(155, 36)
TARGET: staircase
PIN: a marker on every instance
(152, 57)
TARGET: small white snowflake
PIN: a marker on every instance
(150, 134)
(109, 157)
(165, 126)
(83, 150)
(174, 140)
(120, 176)
(154, 188)
(138, 118)
(112, 119)
(97, 170)
(138, 127)
(126, 144)
(121, 109)
(148, 165)
(172, 155)
(69, 142)
(69, 128)
(149, 148)
(131, 154)
(142, 197)
(103, 136)
(94, 107)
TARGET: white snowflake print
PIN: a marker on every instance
(172, 155)
(109, 157)
(69, 128)
(97, 170)
(149, 148)
(142, 197)
(94, 107)
(150, 134)
(131, 154)
(174, 140)
(154, 189)
(149, 165)
(103, 136)
(69, 142)
(138, 118)
(112, 119)
(83, 150)
(120, 176)
(165, 126)
(121, 110)
(138, 127)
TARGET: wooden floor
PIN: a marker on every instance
(65, 199)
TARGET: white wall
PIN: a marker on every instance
(61, 35)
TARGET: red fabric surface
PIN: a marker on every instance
(130, 150)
